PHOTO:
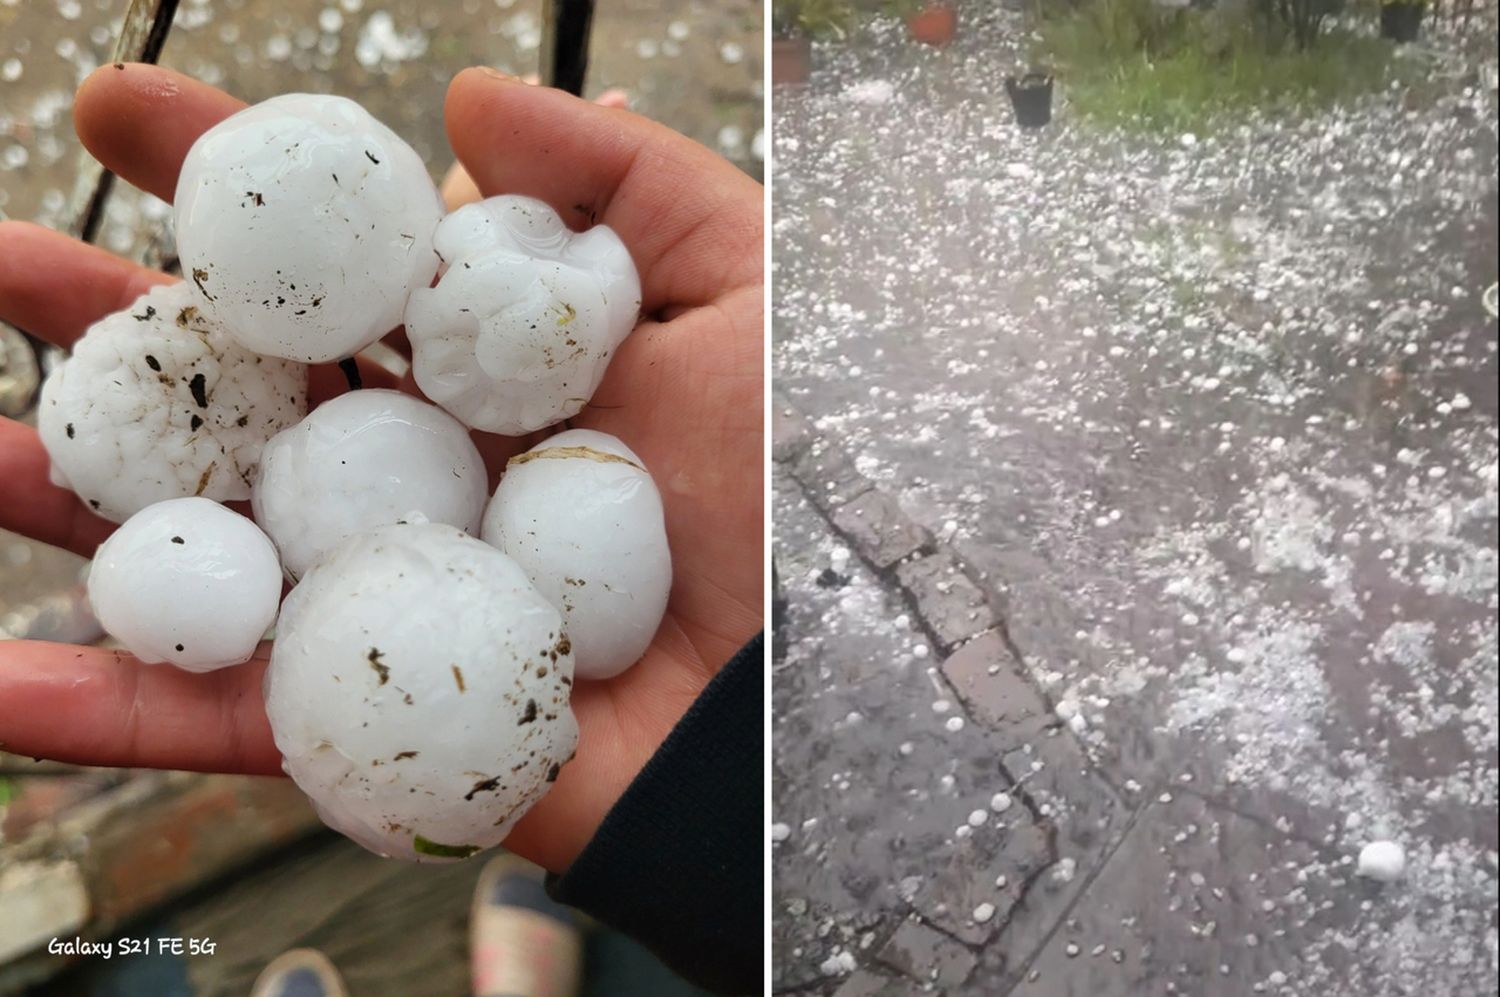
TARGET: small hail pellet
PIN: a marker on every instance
(582, 517)
(365, 459)
(304, 224)
(419, 692)
(159, 402)
(187, 582)
(525, 316)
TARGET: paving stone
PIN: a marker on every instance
(828, 475)
(791, 432)
(992, 685)
(927, 955)
(867, 984)
(1191, 891)
(953, 606)
(963, 875)
(879, 529)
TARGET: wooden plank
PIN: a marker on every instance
(39, 901)
(390, 927)
(152, 840)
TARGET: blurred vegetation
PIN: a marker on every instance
(811, 18)
(1140, 63)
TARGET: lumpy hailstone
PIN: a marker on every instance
(304, 224)
(524, 318)
(418, 692)
(188, 582)
(580, 514)
(158, 402)
(365, 459)
(1383, 861)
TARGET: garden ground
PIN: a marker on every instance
(1136, 505)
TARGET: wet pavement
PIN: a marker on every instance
(1166, 466)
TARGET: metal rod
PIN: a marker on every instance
(143, 33)
(565, 44)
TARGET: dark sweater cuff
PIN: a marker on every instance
(677, 863)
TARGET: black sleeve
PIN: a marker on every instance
(677, 863)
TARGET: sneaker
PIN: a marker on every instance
(522, 943)
(299, 973)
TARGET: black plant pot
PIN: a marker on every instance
(1031, 97)
(1401, 22)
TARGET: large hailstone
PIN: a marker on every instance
(525, 315)
(418, 692)
(365, 459)
(158, 402)
(580, 514)
(304, 224)
(186, 581)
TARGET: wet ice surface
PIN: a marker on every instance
(1216, 420)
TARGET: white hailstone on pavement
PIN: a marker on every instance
(780, 832)
(1383, 861)
(365, 459)
(870, 92)
(304, 225)
(840, 963)
(977, 818)
(187, 582)
(983, 913)
(158, 402)
(582, 517)
(421, 735)
(954, 724)
(1000, 802)
(525, 316)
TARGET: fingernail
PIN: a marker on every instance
(495, 74)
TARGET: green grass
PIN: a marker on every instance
(1134, 64)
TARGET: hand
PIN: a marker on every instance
(684, 391)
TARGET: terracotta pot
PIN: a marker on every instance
(936, 24)
(791, 61)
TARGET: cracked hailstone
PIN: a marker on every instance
(525, 316)
(582, 517)
(419, 692)
(187, 582)
(365, 459)
(304, 224)
(158, 402)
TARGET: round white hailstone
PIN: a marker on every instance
(421, 734)
(582, 517)
(977, 818)
(158, 402)
(954, 724)
(525, 315)
(365, 459)
(1000, 802)
(983, 913)
(1384, 861)
(304, 224)
(780, 832)
(186, 581)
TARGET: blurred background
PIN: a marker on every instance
(242, 860)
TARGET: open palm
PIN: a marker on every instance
(684, 392)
